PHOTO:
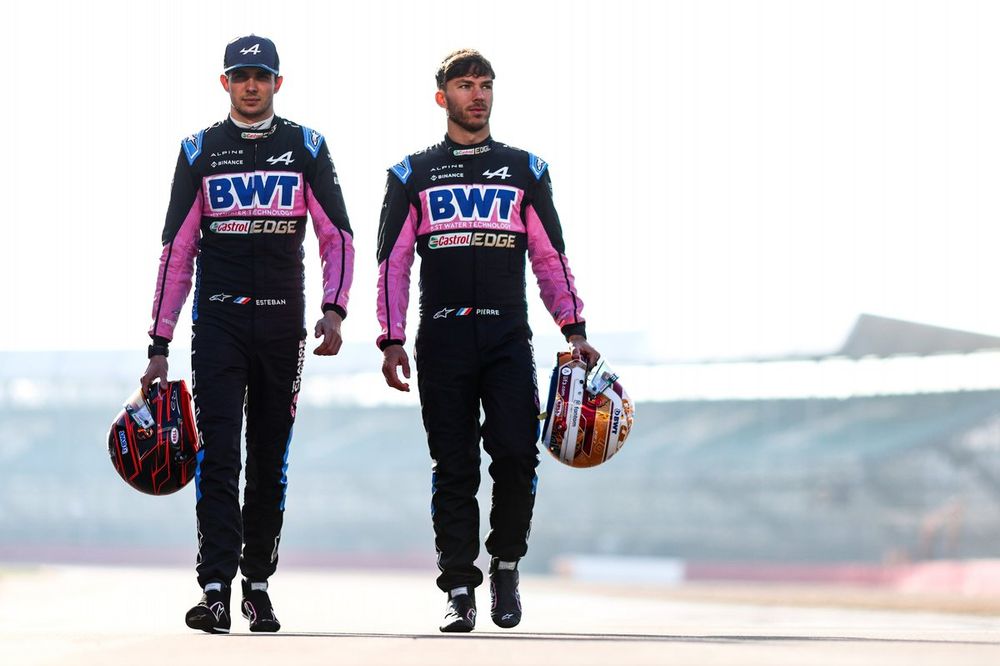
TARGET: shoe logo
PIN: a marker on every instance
(507, 616)
(249, 611)
(221, 298)
(218, 609)
(443, 313)
(471, 615)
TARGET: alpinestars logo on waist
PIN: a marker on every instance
(443, 313)
(285, 158)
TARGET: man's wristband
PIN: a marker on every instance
(385, 344)
(336, 308)
(157, 350)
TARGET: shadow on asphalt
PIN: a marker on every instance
(632, 638)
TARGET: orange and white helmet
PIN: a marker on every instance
(588, 415)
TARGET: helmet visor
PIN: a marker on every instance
(601, 376)
(137, 407)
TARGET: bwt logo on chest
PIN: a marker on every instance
(260, 189)
(471, 203)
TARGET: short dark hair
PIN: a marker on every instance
(464, 62)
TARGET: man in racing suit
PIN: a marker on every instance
(240, 196)
(472, 207)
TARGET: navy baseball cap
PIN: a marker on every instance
(251, 51)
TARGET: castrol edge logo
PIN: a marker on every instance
(471, 239)
(243, 227)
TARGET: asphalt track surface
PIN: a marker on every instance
(126, 616)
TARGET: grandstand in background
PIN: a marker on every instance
(887, 450)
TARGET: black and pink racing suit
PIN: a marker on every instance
(473, 213)
(239, 203)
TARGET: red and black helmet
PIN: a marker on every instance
(153, 442)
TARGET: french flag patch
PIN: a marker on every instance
(463, 312)
(241, 300)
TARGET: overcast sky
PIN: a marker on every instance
(734, 178)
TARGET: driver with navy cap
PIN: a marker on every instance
(251, 51)
(241, 195)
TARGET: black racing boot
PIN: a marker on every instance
(257, 607)
(460, 614)
(211, 615)
(506, 609)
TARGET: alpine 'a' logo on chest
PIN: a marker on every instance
(471, 203)
(274, 190)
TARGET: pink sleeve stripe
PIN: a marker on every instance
(394, 282)
(176, 269)
(336, 251)
(551, 269)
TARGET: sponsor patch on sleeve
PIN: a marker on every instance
(192, 146)
(403, 170)
(537, 164)
(313, 140)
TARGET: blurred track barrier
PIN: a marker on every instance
(968, 577)
(963, 577)
(614, 569)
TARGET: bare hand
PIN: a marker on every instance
(157, 369)
(328, 328)
(395, 356)
(584, 350)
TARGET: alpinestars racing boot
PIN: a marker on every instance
(257, 607)
(460, 613)
(211, 615)
(506, 609)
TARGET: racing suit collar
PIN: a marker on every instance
(256, 127)
(237, 132)
(463, 151)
